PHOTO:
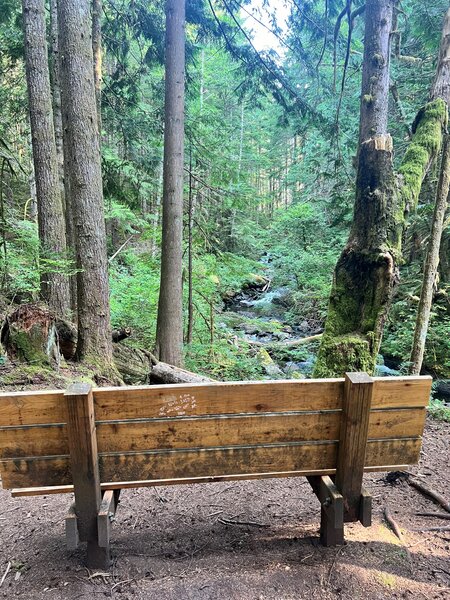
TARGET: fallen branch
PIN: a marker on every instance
(8, 568)
(393, 524)
(447, 528)
(111, 258)
(396, 529)
(438, 515)
(427, 491)
(251, 523)
(289, 343)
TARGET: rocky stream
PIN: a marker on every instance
(261, 315)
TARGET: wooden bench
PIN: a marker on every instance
(95, 442)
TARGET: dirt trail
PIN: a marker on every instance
(174, 543)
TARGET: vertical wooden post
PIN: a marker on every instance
(85, 474)
(353, 441)
(332, 510)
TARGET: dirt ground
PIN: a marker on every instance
(175, 543)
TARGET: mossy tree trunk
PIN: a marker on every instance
(441, 90)
(366, 273)
(367, 270)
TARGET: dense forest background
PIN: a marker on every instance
(271, 143)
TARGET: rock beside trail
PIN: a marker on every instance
(443, 389)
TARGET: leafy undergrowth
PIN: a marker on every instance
(439, 411)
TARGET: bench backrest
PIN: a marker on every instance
(199, 432)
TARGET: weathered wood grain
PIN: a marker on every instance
(83, 458)
(303, 459)
(28, 408)
(394, 392)
(186, 432)
(353, 441)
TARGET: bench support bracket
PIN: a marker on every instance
(332, 510)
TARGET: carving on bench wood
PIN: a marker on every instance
(178, 406)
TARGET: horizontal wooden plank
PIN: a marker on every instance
(126, 485)
(45, 440)
(217, 398)
(395, 392)
(396, 423)
(179, 464)
(28, 408)
(260, 429)
(200, 432)
(217, 431)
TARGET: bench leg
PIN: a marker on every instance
(72, 537)
(332, 510)
(98, 557)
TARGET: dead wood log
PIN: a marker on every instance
(427, 491)
(436, 515)
(133, 364)
(288, 343)
(68, 337)
(29, 335)
(164, 373)
(121, 334)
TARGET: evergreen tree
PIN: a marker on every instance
(169, 333)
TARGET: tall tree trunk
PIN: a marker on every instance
(444, 259)
(190, 327)
(64, 178)
(169, 333)
(367, 270)
(80, 129)
(97, 51)
(56, 93)
(431, 263)
(441, 89)
(54, 286)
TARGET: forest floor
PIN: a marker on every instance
(175, 543)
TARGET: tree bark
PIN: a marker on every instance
(64, 178)
(190, 327)
(97, 51)
(80, 129)
(56, 93)
(169, 333)
(441, 89)
(54, 285)
(431, 263)
(375, 75)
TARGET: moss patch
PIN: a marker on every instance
(426, 143)
(387, 579)
(345, 353)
